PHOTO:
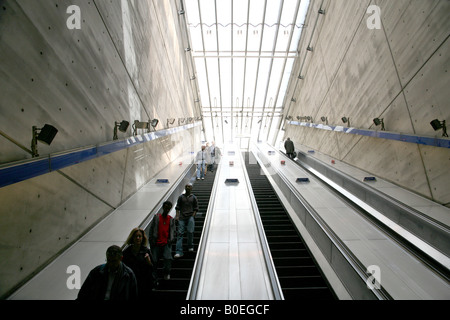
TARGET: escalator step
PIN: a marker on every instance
(280, 238)
(289, 253)
(302, 281)
(176, 288)
(293, 261)
(297, 294)
(280, 227)
(174, 284)
(298, 274)
(286, 245)
(285, 271)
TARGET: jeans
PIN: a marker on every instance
(211, 165)
(164, 252)
(201, 170)
(185, 225)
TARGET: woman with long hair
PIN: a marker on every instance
(138, 257)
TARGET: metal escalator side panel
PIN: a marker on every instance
(299, 276)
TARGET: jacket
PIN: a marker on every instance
(187, 205)
(153, 231)
(289, 146)
(94, 287)
(204, 156)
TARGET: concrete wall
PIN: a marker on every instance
(127, 62)
(398, 72)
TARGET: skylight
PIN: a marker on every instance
(243, 51)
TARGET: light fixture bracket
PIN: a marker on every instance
(45, 134)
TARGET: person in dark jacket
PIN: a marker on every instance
(162, 234)
(110, 281)
(186, 209)
(138, 257)
(289, 146)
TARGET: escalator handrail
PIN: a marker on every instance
(146, 222)
(430, 228)
(435, 259)
(197, 269)
(273, 277)
(353, 261)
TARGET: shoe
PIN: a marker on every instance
(198, 178)
(191, 250)
(167, 277)
(203, 178)
(176, 256)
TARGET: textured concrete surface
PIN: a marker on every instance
(127, 62)
(398, 72)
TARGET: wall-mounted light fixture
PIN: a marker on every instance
(378, 121)
(181, 120)
(154, 123)
(140, 125)
(346, 120)
(436, 124)
(304, 118)
(324, 119)
(144, 125)
(309, 48)
(170, 121)
(122, 127)
(289, 118)
(45, 135)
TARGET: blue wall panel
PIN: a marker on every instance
(27, 169)
(429, 141)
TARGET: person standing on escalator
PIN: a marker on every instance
(289, 146)
(214, 152)
(112, 280)
(186, 209)
(137, 256)
(201, 159)
(161, 237)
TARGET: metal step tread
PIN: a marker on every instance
(297, 271)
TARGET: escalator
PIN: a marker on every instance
(177, 287)
(298, 273)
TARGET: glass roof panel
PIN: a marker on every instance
(243, 53)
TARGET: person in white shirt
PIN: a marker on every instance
(201, 160)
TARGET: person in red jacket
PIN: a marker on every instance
(161, 235)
